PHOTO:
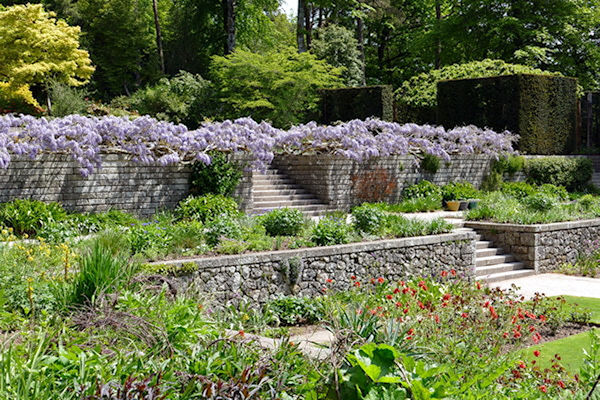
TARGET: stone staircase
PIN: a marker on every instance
(492, 264)
(273, 189)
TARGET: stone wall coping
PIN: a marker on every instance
(555, 226)
(322, 251)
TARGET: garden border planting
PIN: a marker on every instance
(259, 277)
(543, 247)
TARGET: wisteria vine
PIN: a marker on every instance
(149, 141)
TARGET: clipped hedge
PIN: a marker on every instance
(542, 109)
(346, 104)
(573, 172)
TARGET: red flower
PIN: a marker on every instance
(422, 285)
(410, 331)
(478, 285)
(453, 272)
(505, 335)
(493, 313)
(389, 297)
(357, 284)
(421, 305)
(398, 304)
(353, 277)
(437, 318)
(536, 353)
(464, 315)
(517, 334)
(329, 280)
(544, 389)
(447, 296)
(324, 290)
(405, 311)
(536, 337)
(522, 365)
(531, 328)
(444, 273)
(516, 373)
(396, 291)
(380, 280)
(241, 333)
(542, 318)
(561, 384)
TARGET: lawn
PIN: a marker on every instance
(570, 350)
(589, 303)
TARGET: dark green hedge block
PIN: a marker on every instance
(542, 109)
(346, 104)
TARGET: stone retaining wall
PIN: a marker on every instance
(541, 247)
(120, 184)
(259, 277)
(343, 183)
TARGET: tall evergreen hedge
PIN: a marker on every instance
(542, 109)
(346, 104)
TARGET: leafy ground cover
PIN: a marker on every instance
(206, 225)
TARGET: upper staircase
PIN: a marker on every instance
(273, 189)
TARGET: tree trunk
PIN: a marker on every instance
(300, 27)
(438, 48)
(360, 35)
(308, 24)
(159, 45)
(229, 24)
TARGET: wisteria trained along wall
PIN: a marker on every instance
(149, 141)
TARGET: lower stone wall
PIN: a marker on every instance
(261, 276)
(541, 247)
(121, 184)
(344, 183)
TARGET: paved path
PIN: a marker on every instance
(554, 285)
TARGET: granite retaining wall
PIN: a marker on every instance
(259, 277)
(120, 184)
(541, 247)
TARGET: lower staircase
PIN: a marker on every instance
(273, 189)
(492, 264)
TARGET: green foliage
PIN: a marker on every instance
(518, 190)
(573, 172)
(222, 227)
(459, 191)
(368, 219)
(430, 163)
(330, 231)
(100, 272)
(509, 164)
(183, 98)
(281, 87)
(558, 192)
(417, 97)
(207, 208)
(422, 189)
(290, 310)
(539, 202)
(539, 208)
(587, 201)
(220, 177)
(399, 226)
(283, 222)
(121, 43)
(540, 109)
(148, 235)
(345, 104)
(26, 58)
(29, 216)
(66, 100)
(339, 48)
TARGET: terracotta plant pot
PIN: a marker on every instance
(453, 205)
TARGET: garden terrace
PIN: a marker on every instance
(260, 277)
(543, 247)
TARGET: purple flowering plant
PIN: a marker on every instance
(149, 141)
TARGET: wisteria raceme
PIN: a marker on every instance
(149, 141)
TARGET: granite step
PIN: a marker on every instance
(503, 276)
(493, 260)
(498, 268)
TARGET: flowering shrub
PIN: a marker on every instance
(149, 141)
